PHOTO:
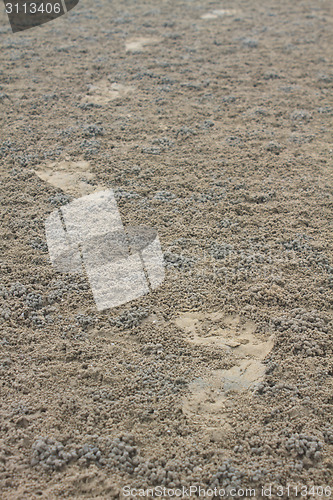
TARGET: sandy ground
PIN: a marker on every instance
(212, 122)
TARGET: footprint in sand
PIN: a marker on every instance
(209, 397)
(215, 14)
(103, 92)
(74, 178)
(140, 44)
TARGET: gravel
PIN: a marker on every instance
(129, 318)
(178, 261)
(302, 445)
(93, 130)
(50, 454)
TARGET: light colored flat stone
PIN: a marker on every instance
(139, 44)
(103, 92)
(73, 177)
